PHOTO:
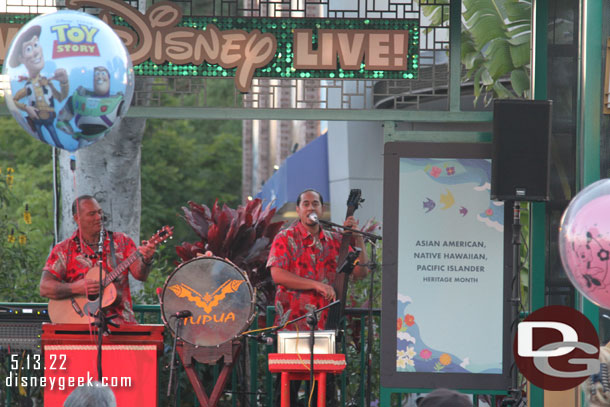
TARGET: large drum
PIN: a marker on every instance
(218, 294)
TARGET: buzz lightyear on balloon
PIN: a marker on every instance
(93, 111)
(70, 79)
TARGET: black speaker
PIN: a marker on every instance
(520, 166)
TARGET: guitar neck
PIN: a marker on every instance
(110, 277)
(162, 235)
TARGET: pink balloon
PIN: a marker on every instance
(584, 242)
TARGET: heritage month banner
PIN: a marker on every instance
(450, 280)
(450, 243)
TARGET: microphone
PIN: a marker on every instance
(314, 218)
(261, 338)
(312, 315)
(100, 244)
(182, 314)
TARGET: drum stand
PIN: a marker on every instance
(187, 352)
(226, 276)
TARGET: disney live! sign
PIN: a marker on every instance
(163, 43)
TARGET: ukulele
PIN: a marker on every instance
(81, 308)
(342, 278)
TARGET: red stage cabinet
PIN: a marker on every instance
(129, 362)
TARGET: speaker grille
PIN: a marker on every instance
(521, 150)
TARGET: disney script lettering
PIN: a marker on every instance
(157, 38)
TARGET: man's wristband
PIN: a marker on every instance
(146, 263)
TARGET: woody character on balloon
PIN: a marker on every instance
(70, 79)
(39, 91)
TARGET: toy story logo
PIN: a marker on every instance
(74, 41)
(70, 78)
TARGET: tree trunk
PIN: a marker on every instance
(109, 170)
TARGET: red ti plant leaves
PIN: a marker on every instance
(197, 218)
(242, 235)
(204, 210)
(272, 229)
(242, 244)
(188, 250)
(215, 211)
(214, 243)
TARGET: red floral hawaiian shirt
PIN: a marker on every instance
(295, 250)
(67, 263)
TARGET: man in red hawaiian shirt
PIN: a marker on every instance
(69, 261)
(303, 261)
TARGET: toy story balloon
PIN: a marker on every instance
(70, 79)
(584, 242)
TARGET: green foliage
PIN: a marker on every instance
(438, 15)
(25, 179)
(495, 44)
(359, 298)
(185, 160)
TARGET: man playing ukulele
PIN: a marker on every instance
(64, 274)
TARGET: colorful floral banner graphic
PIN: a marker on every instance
(450, 268)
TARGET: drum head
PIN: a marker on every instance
(217, 293)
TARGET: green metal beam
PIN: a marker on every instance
(207, 113)
(591, 92)
(540, 18)
(589, 125)
(455, 54)
(441, 136)
(306, 114)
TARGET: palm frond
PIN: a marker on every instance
(495, 44)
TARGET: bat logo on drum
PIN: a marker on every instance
(208, 301)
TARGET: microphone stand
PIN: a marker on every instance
(179, 321)
(314, 311)
(373, 266)
(311, 316)
(371, 236)
(312, 321)
(369, 345)
(515, 393)
(100, 311)
(262, 339)
(292, 321)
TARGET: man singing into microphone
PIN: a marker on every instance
(69, 261)
(303, 261)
